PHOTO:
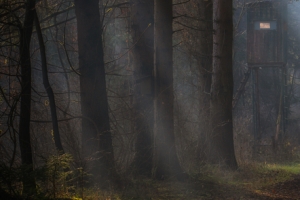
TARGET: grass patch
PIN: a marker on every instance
(292, 169)
(212, 183)
(259, 176)
(251, 179)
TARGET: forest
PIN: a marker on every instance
(149, 99)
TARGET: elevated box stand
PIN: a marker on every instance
(266, 33)
(266, 40)
(266, 50)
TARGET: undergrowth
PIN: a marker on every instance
(210, 182)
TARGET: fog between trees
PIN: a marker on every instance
(93, 93)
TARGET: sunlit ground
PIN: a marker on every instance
(257, 181)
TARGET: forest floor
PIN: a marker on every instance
(250, 182)
(265, 182)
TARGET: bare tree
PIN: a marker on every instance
(222, 84)
(143, 52)
(204, 60)
(25, 109)
(48, 87)
(96, 133)
(165, 156)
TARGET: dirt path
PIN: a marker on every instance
(285, 190)
(212, 190)
(288, 190)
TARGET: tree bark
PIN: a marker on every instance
(205, 47)
(25, 107)
(143, 53)
(222, 84)
(96, 134)
(48, 87)
(165, 156)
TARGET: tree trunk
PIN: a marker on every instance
(48, 87)
(205, 68)
(96, 136)
(165, 156)
(25, 107)
(222, 84)
(143, 52)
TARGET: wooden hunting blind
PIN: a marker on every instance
(266, 33)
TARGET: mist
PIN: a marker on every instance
(154, 99)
